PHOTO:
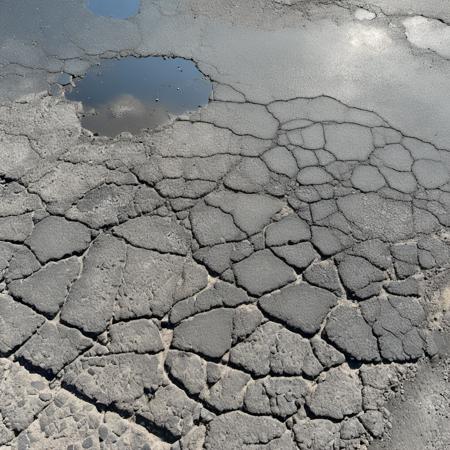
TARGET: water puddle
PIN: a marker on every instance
(131, 94)
(118, 9)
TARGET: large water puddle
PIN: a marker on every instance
(118, 9)
(131, 94)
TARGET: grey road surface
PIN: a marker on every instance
(268, 272)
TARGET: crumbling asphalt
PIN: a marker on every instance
(269, 272)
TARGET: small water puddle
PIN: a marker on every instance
(118, 9)
(131, 94)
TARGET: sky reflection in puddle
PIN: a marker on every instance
(118, 9)
(130, 94)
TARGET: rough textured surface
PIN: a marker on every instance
(55, 237)
(337, 395)
(266, 272)
(90, 303)
(18, 323)
(207, 333)
(53, 347)
(263, 272)
(300, 306)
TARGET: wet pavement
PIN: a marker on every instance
(268, 271)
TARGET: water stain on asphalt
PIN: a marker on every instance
(131, 94)
(118, 9)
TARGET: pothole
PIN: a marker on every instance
(117, 9)
(131, 94)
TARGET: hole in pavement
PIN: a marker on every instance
(131, 94)
(118, 9)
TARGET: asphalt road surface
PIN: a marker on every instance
(270, 271)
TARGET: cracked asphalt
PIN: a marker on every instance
(269, 272)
